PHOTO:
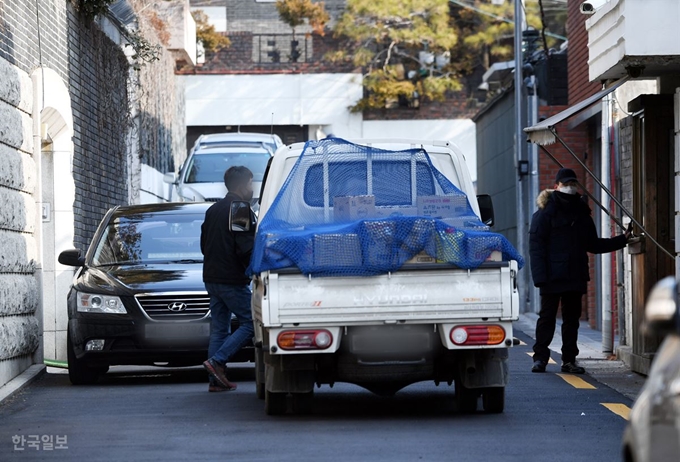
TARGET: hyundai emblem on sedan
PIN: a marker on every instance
(177, 306)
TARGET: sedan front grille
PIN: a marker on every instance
(175, 306)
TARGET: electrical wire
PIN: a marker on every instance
(545, 42)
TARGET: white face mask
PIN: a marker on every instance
(568, 189)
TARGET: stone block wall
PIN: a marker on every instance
(19, 300)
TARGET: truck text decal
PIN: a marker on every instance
(390, 299)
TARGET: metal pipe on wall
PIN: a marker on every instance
(605, 230)
(533, 168)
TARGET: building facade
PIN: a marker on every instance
(254, 85)
(644, 116)
(72, 116)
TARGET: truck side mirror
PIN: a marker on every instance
(170, 177)
(71, 257)
(661, 309)
(240, 218)
(486, 209)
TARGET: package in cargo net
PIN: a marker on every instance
(352, 210)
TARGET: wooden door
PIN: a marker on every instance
(653, 206)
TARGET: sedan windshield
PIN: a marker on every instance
(150, 238)
(210, 168)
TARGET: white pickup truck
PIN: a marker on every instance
(427, 321)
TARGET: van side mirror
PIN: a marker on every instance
(661, 309)
(486, 209)
(170, 177)
(240, 218)
(71, 257)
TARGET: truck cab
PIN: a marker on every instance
(426, 320)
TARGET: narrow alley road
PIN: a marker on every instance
(160, 416)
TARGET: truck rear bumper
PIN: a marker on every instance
(385, 359)
(392, 336)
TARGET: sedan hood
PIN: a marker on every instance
(132, 279)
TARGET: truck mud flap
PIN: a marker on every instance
(289, 374)
(484, 368)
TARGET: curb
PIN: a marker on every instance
(21, 381)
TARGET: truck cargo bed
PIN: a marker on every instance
(416, 293)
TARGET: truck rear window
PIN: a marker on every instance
(391, 182)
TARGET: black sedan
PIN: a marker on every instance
(138, 297)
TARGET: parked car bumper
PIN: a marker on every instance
(126, 343)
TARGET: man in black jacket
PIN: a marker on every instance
(562, 233)
(226, 256)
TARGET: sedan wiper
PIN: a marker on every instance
(186, 260)
(121, 263)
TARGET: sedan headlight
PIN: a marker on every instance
(94, 303)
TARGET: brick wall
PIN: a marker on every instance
(95, 70)
(577, 60)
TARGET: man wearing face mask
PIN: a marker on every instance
(561, 236)
(226, 256)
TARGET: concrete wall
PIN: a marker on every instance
(293, 99)
(619, 36)
(461, 131)
(496, 171)
(19, 296)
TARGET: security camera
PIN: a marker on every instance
(590, 7)
(587, 8)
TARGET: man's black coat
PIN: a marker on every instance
(562, 233)
(226, 254)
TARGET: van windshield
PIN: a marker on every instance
(210, 168)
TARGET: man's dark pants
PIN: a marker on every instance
(545, 327)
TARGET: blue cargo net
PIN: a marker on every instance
(352, 210)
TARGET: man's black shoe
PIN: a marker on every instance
(572, 368)
(539, 366)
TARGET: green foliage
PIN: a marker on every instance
(93, 8)
(296, 12)
(489, 37)
(145, 51)
(385, 35)
(206, 33)
(386, 38)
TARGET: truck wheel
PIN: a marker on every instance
(259, 373)
(303, 403)
(275, 403)
(78, 372)
(466, 398)
(493, 400)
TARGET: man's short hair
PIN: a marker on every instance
(236, 176)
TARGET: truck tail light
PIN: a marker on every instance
(478, 335)
(305, 339)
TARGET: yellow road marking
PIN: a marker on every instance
(618, 409)
(576, 382)
(550, 361)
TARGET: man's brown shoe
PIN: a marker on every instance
(219, 373)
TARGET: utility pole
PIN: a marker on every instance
(519, 140)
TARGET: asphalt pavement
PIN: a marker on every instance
(156, 414)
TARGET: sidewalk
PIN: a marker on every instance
(604, 368)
